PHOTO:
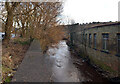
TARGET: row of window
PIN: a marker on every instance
(105, 39)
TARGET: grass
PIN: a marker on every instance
(16, 53)
(102, 65)
(8, 79)
(6, 70)
(23, 41)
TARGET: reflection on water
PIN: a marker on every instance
(63, 68)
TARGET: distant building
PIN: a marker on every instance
(99, 42)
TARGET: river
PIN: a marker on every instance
(65, 69)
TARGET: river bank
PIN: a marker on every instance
(12, 56)
(91, 70)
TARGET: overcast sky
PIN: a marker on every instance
(83, 11)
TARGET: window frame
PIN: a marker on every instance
(90, 40)
(95, 40)
(105, 39)
(86, 38)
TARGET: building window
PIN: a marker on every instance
(83, 38)
(95, 41)
(86, 39)
(90, 40)
(118, 39)
(105, 37)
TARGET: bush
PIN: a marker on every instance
(23, 41)
(49, 37)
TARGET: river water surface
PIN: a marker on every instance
(63, 68)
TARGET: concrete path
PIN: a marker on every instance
(33, 68)
(57, 67)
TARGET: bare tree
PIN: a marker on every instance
(35, 20)
(47, 29)
(9, 6)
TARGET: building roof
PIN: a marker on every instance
(105, 24)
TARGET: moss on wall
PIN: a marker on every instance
(103, 66)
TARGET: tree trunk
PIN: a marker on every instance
(9, 21)
(8, 26)
(23, 30)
